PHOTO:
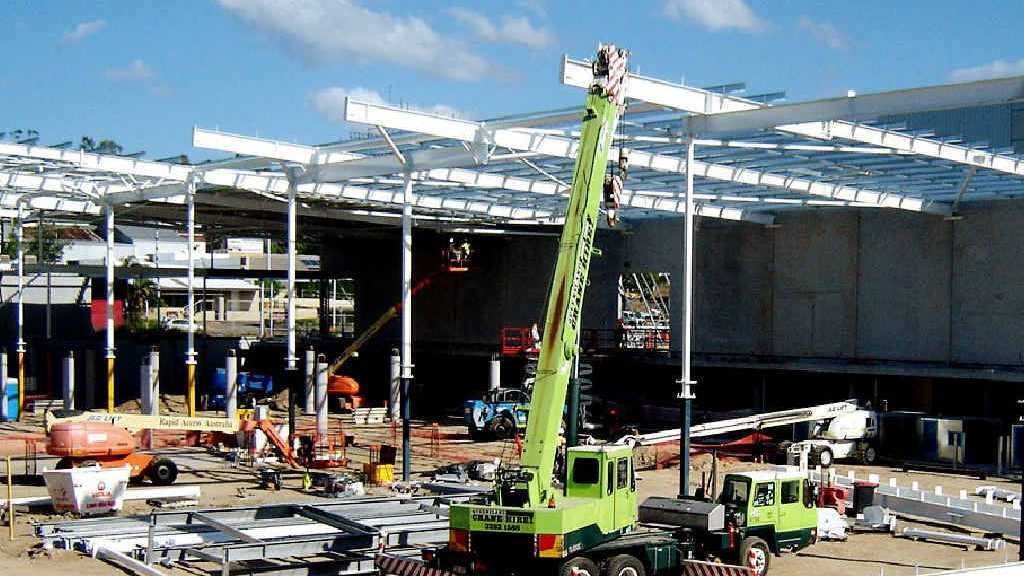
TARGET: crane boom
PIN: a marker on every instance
(377, 326)
(568, 285)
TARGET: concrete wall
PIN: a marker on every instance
(853, 284)
(506, 285)
(828, 283)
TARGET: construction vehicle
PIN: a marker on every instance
(821, 412)
(345, 389)
(500, 414)
(588, 523)
(87, 438)
(850, 435)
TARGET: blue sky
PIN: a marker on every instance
(144, 72)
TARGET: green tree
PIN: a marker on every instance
(141, 291)
(52, 247)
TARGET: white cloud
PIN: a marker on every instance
(825, 33)
(82, 31)
(538, 7)
(994, 69)
(513, 29)
(716, 14)
(136, 70)
(340, 30)
(330, 102)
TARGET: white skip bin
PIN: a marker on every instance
(87, 491)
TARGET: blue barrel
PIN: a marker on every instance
(243, 382)
(10, 399)
(220, 382)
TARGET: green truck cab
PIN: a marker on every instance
(769, 512)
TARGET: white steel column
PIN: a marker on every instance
(21, 311)
(406, 323)
(190, 353)
(686, 393)
(291, 273)
(109, 261)
(20, 234)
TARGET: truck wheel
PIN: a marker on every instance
(754, 554)
(825, 457)
(624, 565)
(579, 566)
(504, 428)
(868, 456)
(163, 472)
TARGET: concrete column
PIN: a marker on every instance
(231, 394)
(395, 396)
(150, 382)
(68, 389)
(321, 396)
(145, 392)
(309, 390)
(495, 380)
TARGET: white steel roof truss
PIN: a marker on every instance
(551, 145)
(689, 99)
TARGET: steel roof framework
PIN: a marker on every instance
(739, 159)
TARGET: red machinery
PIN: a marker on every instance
(110, 446)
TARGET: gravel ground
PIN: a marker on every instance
(862, 554)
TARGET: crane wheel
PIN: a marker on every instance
(624, 565)
(755, 554)
(579, 566)
(162, 472)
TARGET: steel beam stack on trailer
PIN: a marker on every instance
(293, 538)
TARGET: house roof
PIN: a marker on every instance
(210, 283)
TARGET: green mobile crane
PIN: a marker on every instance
(587, 523)
(584, 513)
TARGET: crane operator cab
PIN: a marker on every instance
(458, 254)
(596, 504)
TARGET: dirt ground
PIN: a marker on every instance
(863, 554)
